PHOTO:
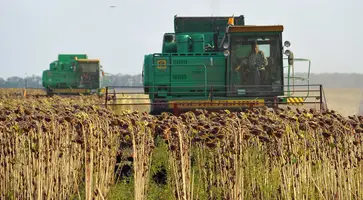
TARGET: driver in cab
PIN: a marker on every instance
(254, 66)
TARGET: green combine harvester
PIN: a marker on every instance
(206, 63)
(73, 74)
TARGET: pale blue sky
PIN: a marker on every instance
(33, 33)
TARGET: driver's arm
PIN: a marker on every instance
(265, 61)
(237, 63)
(262, 61)
(244, 61)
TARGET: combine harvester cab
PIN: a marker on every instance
(207, 64)
(73, 74)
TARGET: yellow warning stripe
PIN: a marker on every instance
(103, 90)
(295, 101)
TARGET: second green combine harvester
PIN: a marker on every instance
(207, 63)
(73, 74)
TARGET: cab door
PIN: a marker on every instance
(237, 76)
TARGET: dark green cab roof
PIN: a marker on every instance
(205, 24)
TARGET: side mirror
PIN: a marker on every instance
(226, 53)
(290, 56)
(287, 44)
(226, 45)
(291, 59)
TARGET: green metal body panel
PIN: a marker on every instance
(183, 43)
(192, 60)
(71, 74)
(198, 43)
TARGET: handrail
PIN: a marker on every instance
(261, 92)
(78, 83)
(293, 78)
(176, 86)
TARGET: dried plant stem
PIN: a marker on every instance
(142, 141)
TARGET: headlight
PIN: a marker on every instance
(287, 52)
(287, 44)
(226, 53)
(225, 45)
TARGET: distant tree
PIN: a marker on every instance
(328, 80)
(2, 82)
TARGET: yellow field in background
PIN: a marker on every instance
(130, 99)
(344, 101)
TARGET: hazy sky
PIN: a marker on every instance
(33, 33)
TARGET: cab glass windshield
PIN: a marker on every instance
(89, 67)
(256, 61)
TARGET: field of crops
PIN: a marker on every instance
(69, 147)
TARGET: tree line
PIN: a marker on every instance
(329, 80)
(36, 81)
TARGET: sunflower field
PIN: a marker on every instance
(73, 148)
